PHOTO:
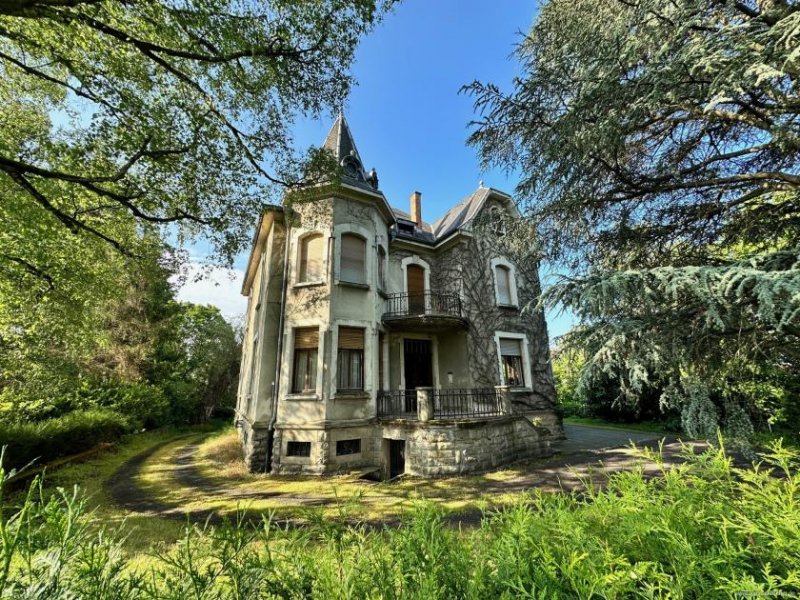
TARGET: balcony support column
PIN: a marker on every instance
(504, 396)
(425, 403)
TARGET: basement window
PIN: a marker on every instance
(298, 448)
(344, 447)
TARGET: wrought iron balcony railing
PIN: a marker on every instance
(442, 404)
(422, 304)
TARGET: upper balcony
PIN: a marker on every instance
(424, 311)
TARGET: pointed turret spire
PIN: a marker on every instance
(340, 142)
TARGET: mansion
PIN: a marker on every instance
(380, 343)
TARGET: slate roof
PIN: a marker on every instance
(461, 214)
(340, 142)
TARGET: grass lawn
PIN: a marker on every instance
(202, 471)
(214, 478)
(218, 461)
(90, 478)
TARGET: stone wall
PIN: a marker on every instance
(255, 442)
(323, 459)
(456, 448)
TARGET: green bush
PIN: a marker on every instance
(53, 438)
(143, 404)
(701, 530)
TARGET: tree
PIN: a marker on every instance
(208, 370)
(163, 111)
(659, 143)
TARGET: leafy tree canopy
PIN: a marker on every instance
(659, 146)
(165, 111)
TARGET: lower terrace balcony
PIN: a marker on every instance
(424, 311)
(427, 404)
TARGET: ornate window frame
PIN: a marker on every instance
(512, 281)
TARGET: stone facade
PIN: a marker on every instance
(430, 313)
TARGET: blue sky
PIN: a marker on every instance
(407, 116)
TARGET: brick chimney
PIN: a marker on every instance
(416, 208)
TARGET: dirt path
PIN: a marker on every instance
(589, 453)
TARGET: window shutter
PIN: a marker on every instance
(311, 258)
(503, 276)
(351, 338)
(416, 279)
(352, 264)
(306, 338)
(510, 347)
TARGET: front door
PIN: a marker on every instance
(397, 458)
(417, 368)
(418, 363)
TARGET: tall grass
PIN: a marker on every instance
(702, 530)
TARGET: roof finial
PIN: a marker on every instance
(480, 183)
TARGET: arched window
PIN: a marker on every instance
(311, 264)
(505, 284)
(497, 221)
(353, 260)
(503, 277)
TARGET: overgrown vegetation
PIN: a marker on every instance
(140, 360)
(657, 142)
(129, 132)
(704, 529)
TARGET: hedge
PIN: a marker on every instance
(54, 438)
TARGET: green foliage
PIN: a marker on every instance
(567, 366)
(704, 529)
(164, 113)
(657, 142)
(62, 436)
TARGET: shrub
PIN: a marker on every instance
(702, 530)
(143, 404)
(53, 438)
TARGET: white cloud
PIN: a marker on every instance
(217, 286)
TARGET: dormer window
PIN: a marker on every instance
(407, 228)
(497, 222)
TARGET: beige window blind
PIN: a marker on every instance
(311, 249)
(510, 347)
(503, 276)
(352, 264)
(351, 338)
(306, 338)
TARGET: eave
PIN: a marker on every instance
(265, 223)
(350, 192)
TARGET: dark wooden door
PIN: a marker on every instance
(397, 458)
(415, 278)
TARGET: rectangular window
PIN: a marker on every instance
(353, 261)
(344, 447)
(350, 373)
(306, 342)
(298, 448)
(511, 357)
